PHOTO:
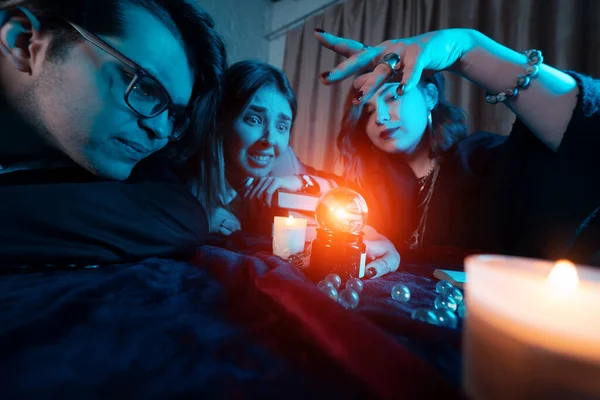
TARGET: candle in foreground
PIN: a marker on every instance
(289, 234)
(532, 329)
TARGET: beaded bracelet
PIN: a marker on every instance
(534, 59)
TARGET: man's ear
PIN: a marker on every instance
(21, 41)
(431, 95)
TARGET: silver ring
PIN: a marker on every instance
(391, 59)
(389, 267)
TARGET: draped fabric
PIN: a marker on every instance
(567, 32)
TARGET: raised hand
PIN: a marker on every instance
(407, 59)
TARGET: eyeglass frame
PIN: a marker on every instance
(139, 72)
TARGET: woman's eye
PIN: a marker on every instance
(282, 128)
(393, 98)
(252, 120)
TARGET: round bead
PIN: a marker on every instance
(442, 286)
(512, 92)
(535, 60)
(532, 70)
(490, 98)
(354, 284)
(523, 81)
(446, 318)
(457, 294)
(534, 54)
(335, 280)
(401, 292)
(445, 301)
(501, 97)
(331, 293)
(348, 299)
(425, 315)
(324, 285)
(462, 310)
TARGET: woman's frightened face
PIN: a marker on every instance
(260, 133)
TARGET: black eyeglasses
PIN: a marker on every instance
(144, 94)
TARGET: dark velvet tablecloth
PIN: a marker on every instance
(231, 322)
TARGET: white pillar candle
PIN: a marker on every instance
(532, 329)
(289, 234)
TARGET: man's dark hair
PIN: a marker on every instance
(185, 18)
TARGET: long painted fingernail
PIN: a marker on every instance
(371, 272)
(326, 74)
(319, 30)
(359, 96)
(400, 89)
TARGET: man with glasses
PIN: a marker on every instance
(89, 90)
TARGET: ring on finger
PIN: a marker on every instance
(391, 59)
(387, 264)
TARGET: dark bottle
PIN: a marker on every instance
(341, 253)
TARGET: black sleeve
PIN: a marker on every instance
(98, 222)
(557, 191)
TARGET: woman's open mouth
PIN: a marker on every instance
(260, 159)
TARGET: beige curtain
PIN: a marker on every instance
(567, 32)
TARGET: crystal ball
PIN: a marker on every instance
(443, 286)
(446, 318)
(334, 279)
(354, 284)
(342, 210)
(456, 293)
(425, 315)
(462, 309)
(445, 301)
(348, 299)
(401, 292)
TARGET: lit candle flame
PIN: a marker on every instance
(290, 220)
(563, 277)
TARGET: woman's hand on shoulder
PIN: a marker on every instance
(263, 190)
(383, 256)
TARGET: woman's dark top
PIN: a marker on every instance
(505, 194)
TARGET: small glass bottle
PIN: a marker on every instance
(341, 253)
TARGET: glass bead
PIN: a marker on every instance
(442, 286)
(523, 81)
(512, 92)
(348, 299)
(456, 293)
(401, 292)
(501, 97)
(331, 293)
(324, 285)
(335, 280)
(354, 284)
(490, 98)
(446, 318)
(462, 309)
(444, 301)
(532, 70)
(425, 315)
